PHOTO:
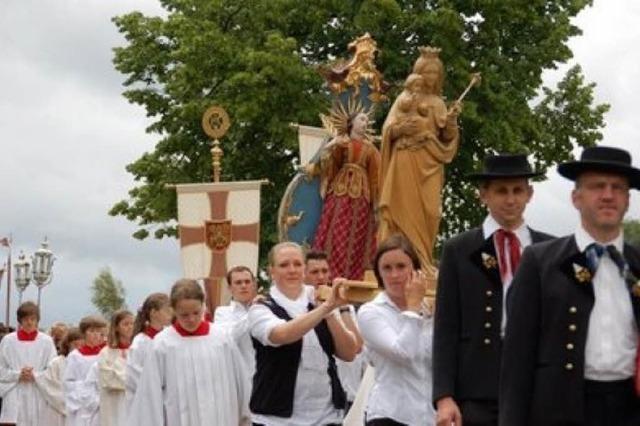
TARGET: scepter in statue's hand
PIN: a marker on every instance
(456, 107)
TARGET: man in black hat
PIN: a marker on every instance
(476, 269)
(571, 342)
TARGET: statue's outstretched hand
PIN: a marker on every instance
(455, 109)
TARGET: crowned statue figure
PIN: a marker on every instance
(419, 136)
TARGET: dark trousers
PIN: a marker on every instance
(477, 412)
(611, 403)
(347, 407)
(383, 422)
(260, 424)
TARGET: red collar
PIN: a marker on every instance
(150, 331)
(27, 336)
(202, 330)
(123, 346)
(90, 350)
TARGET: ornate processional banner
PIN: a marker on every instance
(219, 227)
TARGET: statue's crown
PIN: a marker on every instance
(429, 51)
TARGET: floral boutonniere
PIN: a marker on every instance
(489, 261)
(582, 274)
(632, 282)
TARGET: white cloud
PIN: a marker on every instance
(68, 134)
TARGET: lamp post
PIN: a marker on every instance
(42, 263)
(23, 275)
(39, 269)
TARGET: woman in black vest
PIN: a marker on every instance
(296, 381)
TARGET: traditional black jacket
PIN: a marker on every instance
(542, 376)
(467, 343)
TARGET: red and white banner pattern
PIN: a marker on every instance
(219, 227)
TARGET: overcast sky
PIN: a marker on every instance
(67, 134)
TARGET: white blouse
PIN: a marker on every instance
(312, 403)
(399, 347)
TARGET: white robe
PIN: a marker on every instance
(191, 381)
(53, 412)
(78, 396)
(235, 318)
(22, 401)
(106, 380)
(140, 347)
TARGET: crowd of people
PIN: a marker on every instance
(527, 329)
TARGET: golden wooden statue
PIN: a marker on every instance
(419, 136)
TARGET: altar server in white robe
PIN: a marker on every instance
(106, 379)
(194, 374)
(53, 412)
(78, 395)
(24, 356)
(154, 315)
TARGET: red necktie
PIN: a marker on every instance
(507, 240)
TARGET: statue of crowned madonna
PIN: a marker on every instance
(419, 136)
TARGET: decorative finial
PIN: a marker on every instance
(215, 123)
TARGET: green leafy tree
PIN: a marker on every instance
(632, 232)
(257, 59)
(107, 293)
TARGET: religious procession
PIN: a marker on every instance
(370, 307)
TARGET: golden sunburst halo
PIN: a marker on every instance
(336, 121)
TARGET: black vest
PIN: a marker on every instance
(277, 368)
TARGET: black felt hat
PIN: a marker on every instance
(602, 159)
(505, 166)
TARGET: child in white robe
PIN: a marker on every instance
(194, 374)
(154, 315)
(78, 395)
(53, 412)
(107, 376)
(24, 357)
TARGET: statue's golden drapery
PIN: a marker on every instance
(419, 136)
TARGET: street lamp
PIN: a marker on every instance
(42, 263)
(39, 269)
(23, 274)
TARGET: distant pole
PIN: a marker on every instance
(7, 316)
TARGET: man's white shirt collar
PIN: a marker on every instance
(490, 225)
(237, 306)
(583, 239)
